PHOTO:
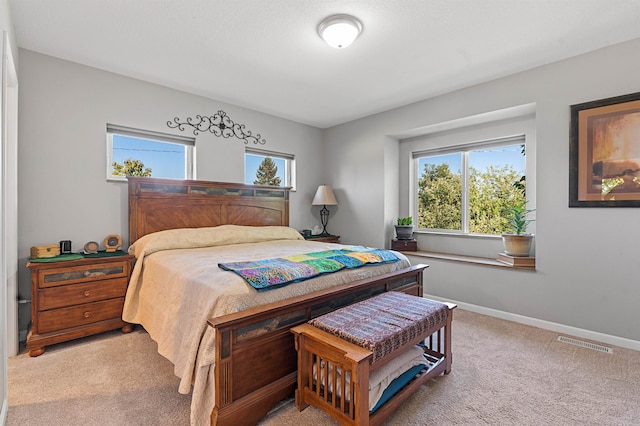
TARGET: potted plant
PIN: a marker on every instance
(404, 228)
(518, 242)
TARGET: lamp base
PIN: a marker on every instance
(324, 219)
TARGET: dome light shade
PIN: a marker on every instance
(339, 31)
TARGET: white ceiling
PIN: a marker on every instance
(266, 54)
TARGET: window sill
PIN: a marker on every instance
(485, 261)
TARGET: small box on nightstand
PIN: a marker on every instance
(404, 245)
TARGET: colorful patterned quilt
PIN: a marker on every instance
(275, 273)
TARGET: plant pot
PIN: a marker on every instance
(404, 232)
(517, 245)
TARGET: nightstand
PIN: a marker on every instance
(76, 298)
(324, 238)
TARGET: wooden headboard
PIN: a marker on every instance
(160, 204)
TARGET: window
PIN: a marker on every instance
(145, 153)
(465, 189)
(269, 168)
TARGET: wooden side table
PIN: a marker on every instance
(324, 238)
(76, 298)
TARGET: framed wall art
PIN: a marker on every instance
(604, 153)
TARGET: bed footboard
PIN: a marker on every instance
(256, 360)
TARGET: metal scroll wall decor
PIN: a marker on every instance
(220, 125)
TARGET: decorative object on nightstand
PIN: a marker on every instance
(305, 233)
(324, 197)
(76, 298)
(91, 247)
(112, 242)
(65, 247)
(49, 250)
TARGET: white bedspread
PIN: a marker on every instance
(174, 290)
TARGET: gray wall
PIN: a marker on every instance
(587, 258)
(64, 108)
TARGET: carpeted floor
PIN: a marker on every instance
(503, 374)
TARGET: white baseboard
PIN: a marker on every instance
(547, 325)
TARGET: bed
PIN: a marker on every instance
(230, 344)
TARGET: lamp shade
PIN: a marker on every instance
(324, 197)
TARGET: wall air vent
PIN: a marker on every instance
(587, 345)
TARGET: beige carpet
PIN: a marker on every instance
(503, 374)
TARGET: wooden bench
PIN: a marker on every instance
(338, 351)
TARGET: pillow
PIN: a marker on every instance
(210, 237)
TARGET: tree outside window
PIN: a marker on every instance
(470, 190)
(269, 168)
(131, 167)
(267, 173)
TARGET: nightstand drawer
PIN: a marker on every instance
(77, 294)
(60, 319)
(82, 273)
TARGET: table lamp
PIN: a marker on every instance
(324, 197)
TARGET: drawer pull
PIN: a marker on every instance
(87, 314)
(87, 293)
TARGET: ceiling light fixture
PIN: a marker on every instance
(339, 31)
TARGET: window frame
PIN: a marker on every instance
(289, 161)
(188, 142)
(485, 125)
(464, 149)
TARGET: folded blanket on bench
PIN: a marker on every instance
(274, 273)
(379, 380)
